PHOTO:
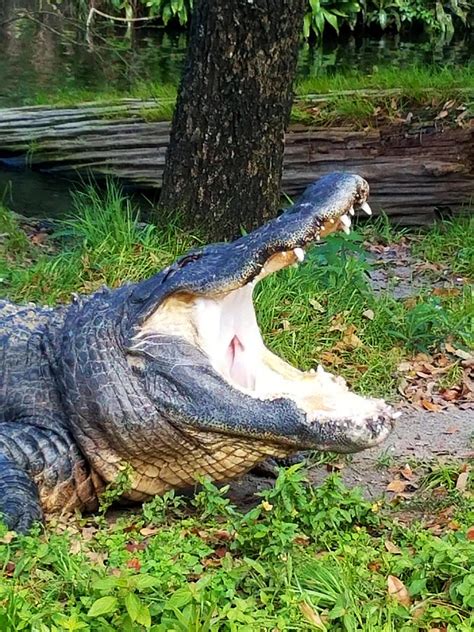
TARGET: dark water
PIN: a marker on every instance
(47, 53)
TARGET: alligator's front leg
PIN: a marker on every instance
(41, 471)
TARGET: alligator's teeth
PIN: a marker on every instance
(366, 208)
(351, 210)
(331, 221)
(347, 230)
(318, 237)
(346, 220)
(299, 254)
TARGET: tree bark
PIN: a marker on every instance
(225, 157)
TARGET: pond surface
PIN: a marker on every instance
(45, 53)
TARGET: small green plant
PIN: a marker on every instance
(445, 475)
(384, 460)
(161, 508)
(115, 490)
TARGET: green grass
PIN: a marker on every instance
(413, 82)
(417, 86)
(450, 244)
(102, 243)
(303, 558)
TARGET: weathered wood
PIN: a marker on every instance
(413, 169)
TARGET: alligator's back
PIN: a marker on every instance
(27, 387)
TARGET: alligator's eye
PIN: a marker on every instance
(193, 256)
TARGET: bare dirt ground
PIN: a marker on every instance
(419, 438)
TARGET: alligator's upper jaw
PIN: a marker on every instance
(325, 206)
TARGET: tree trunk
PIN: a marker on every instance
(225, 157)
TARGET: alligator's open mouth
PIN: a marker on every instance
(225, 328)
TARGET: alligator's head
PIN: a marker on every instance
(188, 387)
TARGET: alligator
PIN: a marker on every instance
(170, 377)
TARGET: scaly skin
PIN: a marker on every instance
(79, 398)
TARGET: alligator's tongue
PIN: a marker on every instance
(238, 364)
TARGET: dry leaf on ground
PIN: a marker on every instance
(398, 591)
(392, 548)
(311, 615)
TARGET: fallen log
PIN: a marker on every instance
(414, 168)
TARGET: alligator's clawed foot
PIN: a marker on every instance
(20, 518)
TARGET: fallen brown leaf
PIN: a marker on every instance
(392, 548)
(134, 563)
(464, 355)
(406, 472)
(316, 305)
(311, 615)
(470, 533)
(398, 591)
(463, 478)
(8, 537)
(301, 540)
(88, 533)
(446, 291)
(96, 557)
(135, 546)
(331, 358)
(432, 408)
(397, 486)
(147, 531)
(418, 611)
(450, 394)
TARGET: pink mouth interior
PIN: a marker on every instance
(238, 365)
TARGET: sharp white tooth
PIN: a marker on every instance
(331, 221)
(299, 254)
(346, 220)
(351, 210)
(346, 229)
(366, 208)
(318, 237)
